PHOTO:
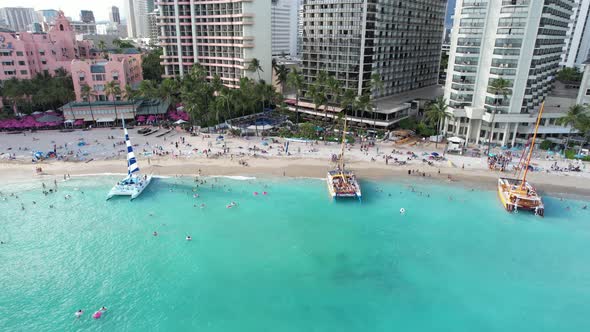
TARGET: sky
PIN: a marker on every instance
(70, 7)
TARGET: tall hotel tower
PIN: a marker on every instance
(353, 39)
(520, 41)
(221, 35)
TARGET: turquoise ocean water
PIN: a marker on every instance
(289, 261)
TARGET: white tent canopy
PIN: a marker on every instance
(105, 120)
(457, 140)
(181, 121)
(262, 127)
(69, 121)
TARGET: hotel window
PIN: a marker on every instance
(19, 53)
(24, 72)
(43, 61)
(115, 75)
(81, 77)
(41, 53)
(587, 92)
(21, 63)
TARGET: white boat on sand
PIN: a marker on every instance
(134, 184)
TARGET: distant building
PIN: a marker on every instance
(284, 27)
(222, 36)
(137, 18)
(24, 54)
(83, 27)
(114, 15)
(48, 15)
(18, 18)
(153, 24)
(123, 69)
(87, 16)
(577, 41)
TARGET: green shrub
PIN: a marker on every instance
(546, 145)
(408, 123)
(424, 130)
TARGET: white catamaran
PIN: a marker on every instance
(134, 184)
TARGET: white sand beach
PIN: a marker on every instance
(104, 152)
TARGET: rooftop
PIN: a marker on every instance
(387, 104)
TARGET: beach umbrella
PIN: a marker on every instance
(435, 154)
(141, 118)
(79, 122)
(181, 121)
(151, 118)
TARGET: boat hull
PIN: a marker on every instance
(512, 202)
(335, 193)
(133, 191)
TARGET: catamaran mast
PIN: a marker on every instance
(532, 146)
(343, 145)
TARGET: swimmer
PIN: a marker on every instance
(67, 196)
(79, 313)
(584, 207)
(188, 238)
(203, 205)
(155, 233)
(103, 308)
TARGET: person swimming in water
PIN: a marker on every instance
(103, 309)
(188, 238)
(155, 233)
(78, 313)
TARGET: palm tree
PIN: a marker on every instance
(377, 85)
(282, 73)
(363, 104)
(296, 81)
(148, 90)
(583, 126)
(333, 87)
(102, 47)
(348, 100)
(437, 114)
(225, 97)
(86, 93)
(318, 96)
(571, 118)
(499, 86)
(112, 89)
(254, 66)
(131, 94)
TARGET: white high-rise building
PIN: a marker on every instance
(578, 37)
(137, 18)
(520, 41)
(18, 18)
(223, 36)
(284, 27)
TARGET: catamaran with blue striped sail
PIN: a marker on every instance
(134, 184)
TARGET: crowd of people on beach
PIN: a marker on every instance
(500, 161)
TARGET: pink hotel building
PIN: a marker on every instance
(24, 55)
(221, 35)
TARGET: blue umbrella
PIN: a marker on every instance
(434, 154)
